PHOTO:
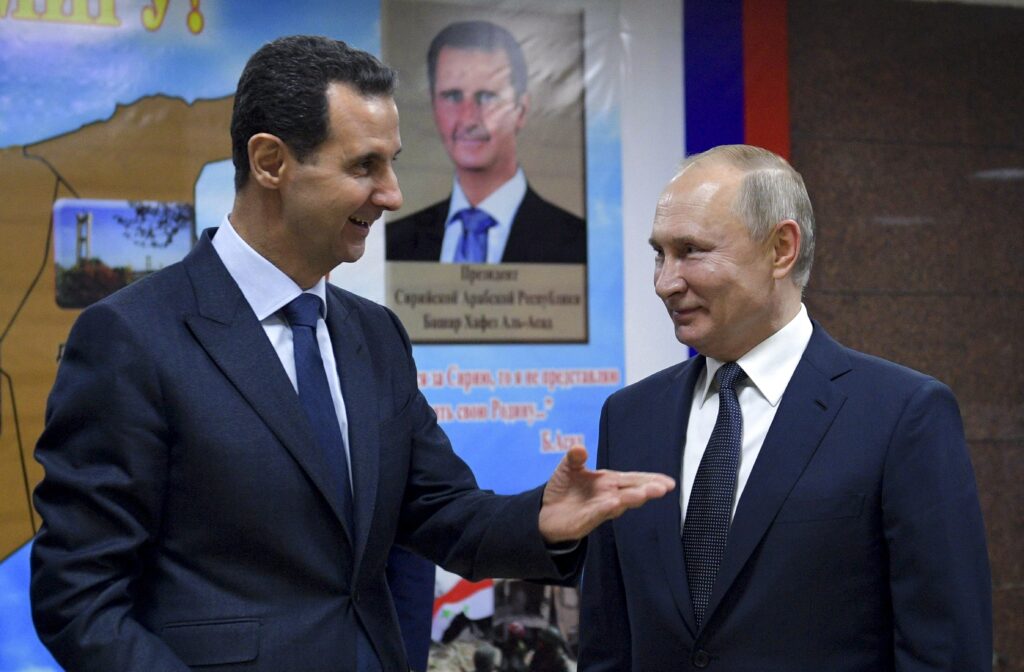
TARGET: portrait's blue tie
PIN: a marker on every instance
(473, 241)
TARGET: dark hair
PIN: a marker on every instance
(283, 91)
(482, 35)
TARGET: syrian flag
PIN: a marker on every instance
(454, 595)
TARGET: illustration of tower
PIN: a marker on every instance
(83, 236)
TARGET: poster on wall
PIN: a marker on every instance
(491, 245)
(504, 262)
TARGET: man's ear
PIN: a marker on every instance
(785, 246)
(522, 108)
(267, 157)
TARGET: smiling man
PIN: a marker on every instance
(478, 76)
(828, 517)
(233, 446)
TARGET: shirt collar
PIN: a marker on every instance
(770, 364)
(265, 287)
(501, 205)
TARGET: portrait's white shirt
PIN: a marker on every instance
(501, 205)
(267, 290)
(769, 367)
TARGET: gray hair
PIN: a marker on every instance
(771, 191)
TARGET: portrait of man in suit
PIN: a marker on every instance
(478, 75)
(232, 445)
(827, 517)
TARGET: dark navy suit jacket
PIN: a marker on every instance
(541, 233)
(189, 521)
(857, 544)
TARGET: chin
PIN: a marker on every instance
(349, 254)
(689, 338)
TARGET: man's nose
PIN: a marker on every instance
(388, 194)
(469, 111)
(668, 280)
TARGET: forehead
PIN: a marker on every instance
(456, 67)
(700, 198)
(362, 123)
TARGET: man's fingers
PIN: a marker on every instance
(633, 479)
(636, 496)
(576, 457)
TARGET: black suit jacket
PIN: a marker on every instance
(857, 544)
(189, 520)
(541, 233)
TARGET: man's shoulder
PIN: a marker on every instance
(534, 204)
(161, 292)
(417, 237)
(871, 376)
(423, 217)
(375, 318)
(885, 371)
(544, 232)
(656, 383)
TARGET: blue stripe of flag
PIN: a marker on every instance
(713, 73)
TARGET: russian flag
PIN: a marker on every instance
(736, 74)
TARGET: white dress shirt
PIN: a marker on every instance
(267, 289)
(501, 205)
(769, 367)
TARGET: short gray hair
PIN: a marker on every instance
(771, 191)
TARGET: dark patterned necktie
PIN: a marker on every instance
(709, 509)
(473, 241)
(315, 395)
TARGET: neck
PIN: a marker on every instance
(256, 218)
(477, 185)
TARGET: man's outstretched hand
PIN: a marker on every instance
(576, 499)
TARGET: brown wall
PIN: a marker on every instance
(903, 116)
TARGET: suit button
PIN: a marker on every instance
(701, 659)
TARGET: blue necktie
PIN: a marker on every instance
(315, 395)
(709, 509)
(473, 241)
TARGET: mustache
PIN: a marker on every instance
(474, 133)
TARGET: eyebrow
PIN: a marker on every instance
(676, 241)
(375, 156)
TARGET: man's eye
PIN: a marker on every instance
(451, 96)
(486, 97)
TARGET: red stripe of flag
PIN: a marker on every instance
(461, 591)
(766, 75)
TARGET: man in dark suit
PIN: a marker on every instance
(477, 74)
(828, 519)
(232, 445)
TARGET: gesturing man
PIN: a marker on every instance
(232, 445)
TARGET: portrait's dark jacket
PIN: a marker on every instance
(857, 544)
(541, 233)
(190, 522)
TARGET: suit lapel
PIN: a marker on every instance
(808, 407)
(667, 458)
(227, 329)
(431, 235)
(521, 239)
(359, 389)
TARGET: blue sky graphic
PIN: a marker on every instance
(56, 77)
